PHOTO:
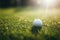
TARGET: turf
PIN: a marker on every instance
(16, 24)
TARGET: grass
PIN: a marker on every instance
(17, 25)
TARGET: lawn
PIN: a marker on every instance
(16, 24)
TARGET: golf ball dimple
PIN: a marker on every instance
(37, 22)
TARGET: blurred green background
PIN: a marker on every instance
(16, 22)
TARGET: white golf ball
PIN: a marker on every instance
(37, 23)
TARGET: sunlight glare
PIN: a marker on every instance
(49, 3)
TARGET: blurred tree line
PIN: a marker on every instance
(12, 3)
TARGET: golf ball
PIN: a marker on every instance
(37, 23)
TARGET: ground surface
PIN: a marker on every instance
(16, 24)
